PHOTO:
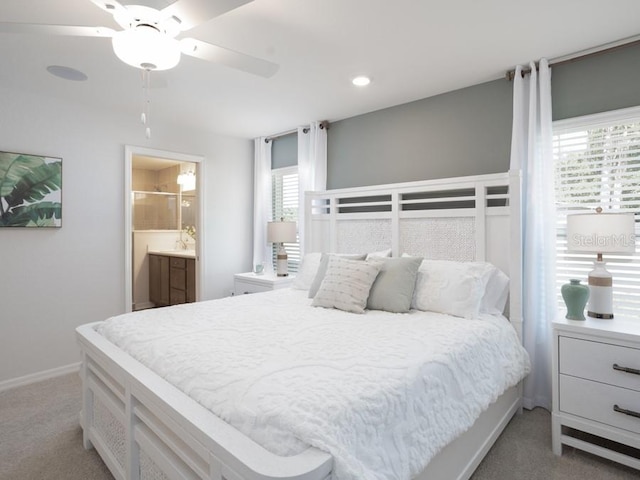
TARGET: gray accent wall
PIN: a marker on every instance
(464, 132)
(468, 131)
(284, 152)
(600, 83)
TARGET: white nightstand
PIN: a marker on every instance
(252, 283)
(596, 387)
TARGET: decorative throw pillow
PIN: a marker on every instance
(346, 284)
(322, 269)
(307, 271)
(455, 288)
(393, 289)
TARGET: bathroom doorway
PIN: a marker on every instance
(163, 212)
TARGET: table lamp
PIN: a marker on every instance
(601, 233)
(281, 232)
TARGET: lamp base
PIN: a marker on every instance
(601, 292)
(282, 264)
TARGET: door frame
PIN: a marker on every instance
(129, 152)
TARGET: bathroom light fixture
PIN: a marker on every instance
(601, 233)
(361, 81)
(187, 180)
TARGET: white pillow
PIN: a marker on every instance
(380, 254)
(307, 271)
(496, 293)
(346, 284)
(454, 288)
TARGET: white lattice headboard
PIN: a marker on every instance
(465, 218)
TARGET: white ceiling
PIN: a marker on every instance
(412, 49)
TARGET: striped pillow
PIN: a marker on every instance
(346, 284)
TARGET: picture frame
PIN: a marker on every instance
(30, 190)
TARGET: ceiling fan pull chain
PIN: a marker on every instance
(146, 73)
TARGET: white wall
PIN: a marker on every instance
(52, 280)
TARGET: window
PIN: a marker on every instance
(597, 163)
(284, 188)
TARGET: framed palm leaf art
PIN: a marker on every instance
(30, 190)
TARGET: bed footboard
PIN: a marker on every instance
(144, 428)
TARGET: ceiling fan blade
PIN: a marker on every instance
(229, 58)
(69, 30)
(191, 13)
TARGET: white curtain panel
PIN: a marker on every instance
(312, 168)
(531, 152)
(262, 203)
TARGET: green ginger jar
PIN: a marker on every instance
(575, 297)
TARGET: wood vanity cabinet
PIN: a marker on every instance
(172, 280)
(159, 280)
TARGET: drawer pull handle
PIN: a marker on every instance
(631, 413)
(635, 371)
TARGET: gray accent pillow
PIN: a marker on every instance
(322, 269)
(393, 289)
(346, 284)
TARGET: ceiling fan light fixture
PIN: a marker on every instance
(147, 48)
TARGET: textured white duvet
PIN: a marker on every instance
(382, 392)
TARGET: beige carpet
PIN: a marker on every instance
(40, 439)
(523, 451)
(40, 436)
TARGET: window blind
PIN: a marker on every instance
(284, 182)
(597, 164)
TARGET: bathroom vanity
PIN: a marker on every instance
(172, 277)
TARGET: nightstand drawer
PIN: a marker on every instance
(252, 283)
(595, 401)
(595, 360)
(245, 287)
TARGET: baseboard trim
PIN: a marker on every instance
(39, 376)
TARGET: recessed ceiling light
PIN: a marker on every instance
(67, 73)
(361, 81)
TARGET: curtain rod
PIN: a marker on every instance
(574, 57)
(324, 124)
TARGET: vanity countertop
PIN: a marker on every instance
(175, 253)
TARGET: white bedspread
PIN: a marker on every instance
(383, 393)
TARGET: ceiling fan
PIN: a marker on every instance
(149, 37)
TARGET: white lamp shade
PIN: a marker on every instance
(145, 47)
(281, 232)
(601, 232)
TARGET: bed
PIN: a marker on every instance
(151, 416)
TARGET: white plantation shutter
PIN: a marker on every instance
(284, 183)
(597, 164)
